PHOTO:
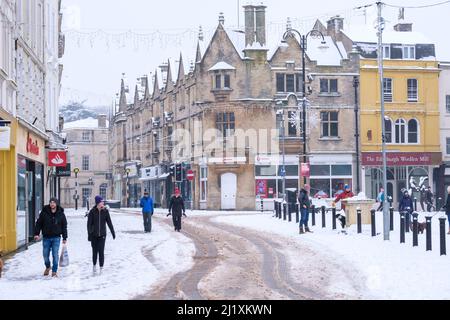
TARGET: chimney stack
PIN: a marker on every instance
(260, 17)
(403, 27)
(249, 25)
(101, 120)
(255, 25)
(335, 25)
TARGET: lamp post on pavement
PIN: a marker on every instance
(280, 112)
(76, 171)
(304, 44)
(127, 171)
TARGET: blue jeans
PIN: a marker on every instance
(53, 245)
(304, 217)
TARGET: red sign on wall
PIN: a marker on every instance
(32, 146)
(397, 158)
(261, 188)
(57, 158)
(304, 171)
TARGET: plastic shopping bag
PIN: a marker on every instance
(64, 258)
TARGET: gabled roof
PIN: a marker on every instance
(221, 65)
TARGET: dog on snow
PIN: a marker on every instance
(342, 219)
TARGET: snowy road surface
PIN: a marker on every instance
(234, 255)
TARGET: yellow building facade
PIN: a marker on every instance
(8, 187)
(411, 94)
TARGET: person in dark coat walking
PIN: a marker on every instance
(96, 227)
(147, 211)
(176, 208)
(429, 199)
(447, 208)
(305, 205)
(53, 223)
(406, 205)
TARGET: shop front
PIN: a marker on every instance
(412, 171)
(8, 165)
(31, 182)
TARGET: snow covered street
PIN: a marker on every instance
(134, 262)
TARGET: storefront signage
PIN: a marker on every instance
(63, 171)
(267, 160)
(57, 158)
(32, 146)
(149, 173)
(228, 160)
(5, 138)
(397, 158)
(261, 188)
(304, 171)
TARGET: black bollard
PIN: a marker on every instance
(415, 229)
(391, 218)
(442, 235)
(289, 212)
(323, 217)
(428, 233)
(415, 204)
(333, 212)
(313, 212)
(262, 205)
(407, 221)
(275, 208)
(358, 219)
(284, 210)
(438, 204)
(372, 222)
(402, 227)
(390, 201)
(297, 212)
(279, 209)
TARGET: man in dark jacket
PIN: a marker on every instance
(305, 205)
(429, 199)
(447, 208)
(147, 211)
(53, 223)
(406, 205)
(96, 227)
(176, 208)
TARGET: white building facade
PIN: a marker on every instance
(444, 110)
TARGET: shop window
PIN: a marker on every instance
(261, 171)
(320, 170)
(320, 188)
(291, 170)
(338, 185)
(341, 170)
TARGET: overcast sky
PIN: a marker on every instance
(94, 62)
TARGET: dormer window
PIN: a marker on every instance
(221, 75)
(409, 52)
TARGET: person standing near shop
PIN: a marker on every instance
(53, 223)
(96, 228)
(380, 199)
(305, 204)
(176, 209)
(147, 211)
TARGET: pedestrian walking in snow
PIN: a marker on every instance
(96, 227)
(176, 209)
(406, 205)
(53, 224)
(447, 208)
(147, 211)
(380, 199)
(305, 204)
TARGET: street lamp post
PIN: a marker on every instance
(76, 170)
(304, 44)
(355, 85)
(283, 170)
(127, 171)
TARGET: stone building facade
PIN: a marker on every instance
(229, 116)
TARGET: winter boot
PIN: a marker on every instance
(301, 230)
(54, 275)
(307, 230)
(47, 271)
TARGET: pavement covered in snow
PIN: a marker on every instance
(134, 263)
(392, 270)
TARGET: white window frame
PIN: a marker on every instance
(392, 131)
(203, 180)
(86, 136)
(401, 123)
(410, 52)
(411, 98)
(85, 159)
(418, 131)
(388, 93)
(386, 48)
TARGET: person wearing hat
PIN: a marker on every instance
(343, 195)
(305, 204)
(53, 224)
(96, 227)
(406, 205)
(147, 211)
(176, 208)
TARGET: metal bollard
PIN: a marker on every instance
(297, 212)
(390, 200)
(415, 204)
(262, 205)
(284, 210)
(313, 211)
(391, 218)
(333, 211)
(372, 222)
(428, 233)
(442, 235)
(289, 212)
(279, 210)
(438, 203)
(323, 217)
(275, 208)
(407, 221)
(415, 229)
(402, 227)
(358, 219)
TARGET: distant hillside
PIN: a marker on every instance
(74, 111)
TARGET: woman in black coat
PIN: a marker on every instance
(96, 227)
(176, 209)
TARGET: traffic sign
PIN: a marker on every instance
(190, 175)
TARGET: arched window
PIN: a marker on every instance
(400, 131)
(388, 127)
(413, 131)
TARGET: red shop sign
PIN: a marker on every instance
(32, 146)
(305, 172)
(397, 158)
(57, 158)
(261, 188)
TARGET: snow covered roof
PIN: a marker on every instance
(365, 33)
(221, 65)
(325, 54)
(89, 123)
(129, 94)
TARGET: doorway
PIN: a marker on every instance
(228, 189)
